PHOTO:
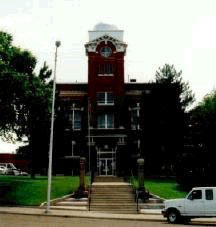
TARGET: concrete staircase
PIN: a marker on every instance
(112, 195)
(68, 203)
(108, 195)
(72, 204)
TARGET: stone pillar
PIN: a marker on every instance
(82, 172)
(140, 163)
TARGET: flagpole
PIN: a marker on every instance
(58, 43)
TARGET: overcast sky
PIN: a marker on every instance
(180, 32)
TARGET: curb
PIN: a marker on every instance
(92, 216)
(158, 197)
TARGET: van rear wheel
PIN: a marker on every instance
(173, 216)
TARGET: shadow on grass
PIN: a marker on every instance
(24, 191)
(5, 199)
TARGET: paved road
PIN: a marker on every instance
(14, 220)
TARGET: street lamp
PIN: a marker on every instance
(57, 43)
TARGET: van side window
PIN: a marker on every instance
(209, 194)
(197, 194)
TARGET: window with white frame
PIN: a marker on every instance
(134, 113)
(74, 119)
(134, 119)
(105, 98)
(105, 69)
(77, 120)
(105, 121)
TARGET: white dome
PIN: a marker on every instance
(104, 27)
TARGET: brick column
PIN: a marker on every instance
(140, 162)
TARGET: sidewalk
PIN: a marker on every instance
(82, 214)
(146, 215)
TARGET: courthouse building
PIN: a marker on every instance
(101, 119)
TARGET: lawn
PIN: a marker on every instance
(31, 192)
(25, 191)
(167, 189)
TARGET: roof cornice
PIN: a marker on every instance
(92, 45)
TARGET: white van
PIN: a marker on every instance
(10, 169)
(199, 203)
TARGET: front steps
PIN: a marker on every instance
(109, 179)
(71, 204)
(109, 195)
(112, 195)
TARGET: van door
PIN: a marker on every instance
(210, 202)
(194, 204)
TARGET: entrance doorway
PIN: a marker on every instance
(106, 166)
(106, 163)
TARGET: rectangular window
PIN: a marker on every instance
(134, 119)
(106, 121)
(74, 119)
(105, 98)
(197, 194)
(105, 69)
(209, 194)
(77, 120)
(101, 121)
(110, 121)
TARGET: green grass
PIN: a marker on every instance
(25, 191)
(31, 192)
(167, 189)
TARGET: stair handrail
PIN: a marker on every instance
(136, 195)
(89, 197)
(137, 201)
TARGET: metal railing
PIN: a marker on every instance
(89, 197)
(132, 179)
(137, 201)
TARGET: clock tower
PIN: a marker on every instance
(105, 51)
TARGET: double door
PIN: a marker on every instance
(106, 163)
(106, 167)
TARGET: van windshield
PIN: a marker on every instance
(10, 165)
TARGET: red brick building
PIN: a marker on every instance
(101, 117)
(24, 165)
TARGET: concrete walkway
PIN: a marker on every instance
(154, 216)
(146, 215)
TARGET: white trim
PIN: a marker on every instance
(110, 74)
(105, 104)
(92, 45)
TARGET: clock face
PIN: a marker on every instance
(106, 51)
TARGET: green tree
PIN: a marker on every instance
(203, 125)
(25, 98)
(168, 102)
(168, 78)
